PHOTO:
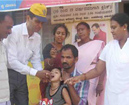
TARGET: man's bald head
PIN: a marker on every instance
(6, 23)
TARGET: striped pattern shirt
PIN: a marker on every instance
(81, 88)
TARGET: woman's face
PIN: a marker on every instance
(60, 35)
(83, 32)
(117, 30)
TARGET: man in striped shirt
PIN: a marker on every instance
(79, 91)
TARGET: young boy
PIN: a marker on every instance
(56, 91)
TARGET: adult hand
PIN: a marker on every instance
(53, 52)
(44, 75)
(73, 80)
(99, 89)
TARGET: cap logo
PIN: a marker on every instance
(40, 11)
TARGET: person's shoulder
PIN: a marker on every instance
(97, 42)
(63, 86)
(103, 32)
(112, 42)
(49, 45)
(47, 48)
(16, 29)
(15, 32)
(76, 72)
(18, 26)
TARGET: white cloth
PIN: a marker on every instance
(117, 67)
(21, 48)
(116, 99)
(88, 53)
(4, 84)
(5, 103)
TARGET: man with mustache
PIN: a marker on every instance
(78, 92)
(6, 23)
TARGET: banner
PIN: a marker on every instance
(6, 5)
(82, 12)
(22, 4)
(52, 3)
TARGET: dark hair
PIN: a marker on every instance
(63, 26)
(58, 69)
(3, 15)
(30, 14)
(83, 23)
(76, 37)
(61, 82)
(96, 25)
(72, 48)
(122, 19)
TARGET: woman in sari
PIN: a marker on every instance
(89, 51)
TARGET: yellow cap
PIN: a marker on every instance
(40, 11)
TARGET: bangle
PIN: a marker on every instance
(84, 76)
(49, 63)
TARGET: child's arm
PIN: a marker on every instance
(66, 96)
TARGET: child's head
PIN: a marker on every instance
(56, 75)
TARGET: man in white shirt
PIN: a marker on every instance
(24, 45)
(6, 24)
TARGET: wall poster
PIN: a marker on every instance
(82, 12)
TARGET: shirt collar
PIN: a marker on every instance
(73, 72)
(25, 31)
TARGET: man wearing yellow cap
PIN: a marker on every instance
(23, 45)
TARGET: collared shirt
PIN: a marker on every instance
(81, 88)
(117, 66)
(21, 48)
(101, 36)
(4, 88)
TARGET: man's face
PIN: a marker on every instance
(5, 27)
(95, 30)
(34, 24)
(67, 59)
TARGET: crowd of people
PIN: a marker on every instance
(87, 72)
